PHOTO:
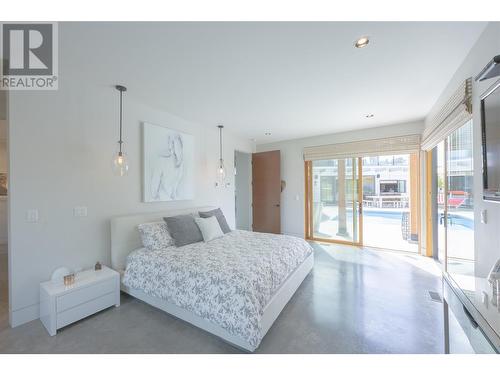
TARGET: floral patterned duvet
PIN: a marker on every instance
(227, 281)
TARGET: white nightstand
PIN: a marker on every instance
(92, 291)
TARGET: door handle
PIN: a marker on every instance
(277, 205)
(470, 317)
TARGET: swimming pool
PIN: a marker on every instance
(454, 219)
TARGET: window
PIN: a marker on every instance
(402, 186)
(388, 187)
(369, 185)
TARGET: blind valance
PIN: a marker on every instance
(455, 113)
(373, 147)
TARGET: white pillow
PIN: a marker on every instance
(209, 228)
(155, 236)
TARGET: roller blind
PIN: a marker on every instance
(384, 146)
(455, 113)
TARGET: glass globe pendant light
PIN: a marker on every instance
(221, 170)
(120, 159)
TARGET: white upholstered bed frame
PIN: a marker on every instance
(125, 238)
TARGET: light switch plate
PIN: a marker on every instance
(484, 216)
(80, 211)
(32, 215)
(485, 299)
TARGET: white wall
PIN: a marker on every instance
(3, 106)
(3, 166)
(61, 146)
(243, 190)
(292, 167)
(486, 236)
(3, 200)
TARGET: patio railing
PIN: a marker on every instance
(386, 201)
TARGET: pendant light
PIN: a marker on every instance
(120, 159)
(221, 170)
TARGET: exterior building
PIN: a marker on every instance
(385, 179)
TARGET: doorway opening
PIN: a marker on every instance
(243, 190)
(365, 201)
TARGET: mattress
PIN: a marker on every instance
(227, 281)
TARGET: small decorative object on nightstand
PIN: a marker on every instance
(58, 274)
(69, 279)
(91, 292)
(98, 266)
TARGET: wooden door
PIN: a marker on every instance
(266, 192)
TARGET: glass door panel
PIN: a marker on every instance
(335, 214)
(460, 228)
(441, 216)
(453, 202)
(390, 202)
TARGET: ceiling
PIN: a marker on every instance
(293, 80)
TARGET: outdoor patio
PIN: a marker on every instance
(382, 228)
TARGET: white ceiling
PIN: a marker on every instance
(292, 79)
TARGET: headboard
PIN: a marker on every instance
(125, 236)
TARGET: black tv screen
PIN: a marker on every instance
(490, 125)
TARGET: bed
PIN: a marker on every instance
(233, 287)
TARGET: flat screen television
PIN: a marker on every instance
(490, 126)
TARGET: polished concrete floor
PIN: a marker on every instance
(354, 301)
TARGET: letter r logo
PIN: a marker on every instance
(27, 49)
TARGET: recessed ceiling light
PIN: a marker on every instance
(370, 115)
(267, 133)
(362, 42)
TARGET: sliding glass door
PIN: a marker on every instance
(441, 188)
(365, 201)
(333, 200)
(460, 212)
(453, 202)
(390, 202)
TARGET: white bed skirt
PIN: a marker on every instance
(271, 311)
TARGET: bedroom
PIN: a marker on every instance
(244, 187)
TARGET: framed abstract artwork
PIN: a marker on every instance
(169, 168)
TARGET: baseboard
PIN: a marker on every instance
(24, 315)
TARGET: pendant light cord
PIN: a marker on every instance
(121, 114)
(220, 143)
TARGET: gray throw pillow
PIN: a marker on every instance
(183, 229)
(155, 236)
(220, 218)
